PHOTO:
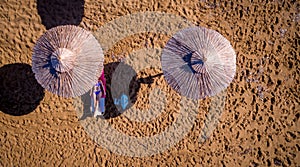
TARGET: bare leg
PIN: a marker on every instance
(92, 107)
(96, 108)
(102, 105)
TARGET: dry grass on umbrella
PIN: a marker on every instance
(198, 62)
(67, 60)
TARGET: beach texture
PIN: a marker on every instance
(259, 124)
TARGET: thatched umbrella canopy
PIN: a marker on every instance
(67, 60)
(198, 62)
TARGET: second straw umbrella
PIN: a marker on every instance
(198, 62)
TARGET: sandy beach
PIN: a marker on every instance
(258, 125)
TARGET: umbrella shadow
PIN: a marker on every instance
(111, 110)
(122, 86)
(20, 93)
(60, 12)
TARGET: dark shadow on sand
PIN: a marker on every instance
(20, 93)
(60, 12)
(125, 82)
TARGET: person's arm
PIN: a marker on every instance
(91, 91)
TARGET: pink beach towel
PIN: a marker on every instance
(102, 78)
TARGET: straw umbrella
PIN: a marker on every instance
(198, 62)
(67, 60)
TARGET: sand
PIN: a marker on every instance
(259, 125)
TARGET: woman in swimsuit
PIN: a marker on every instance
(98, 95)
